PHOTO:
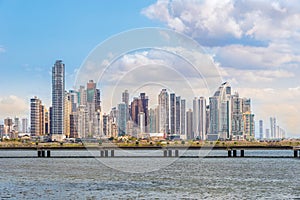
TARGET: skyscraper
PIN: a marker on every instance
(249, 125)
(261, 128)
(125, 99)
(273, 127)
(199, 118)
(195, 132)
(177, 115)
(152, 120)
(213, 119)
(163, 110)
(182, 117)
(189, 124)
(36, 117)
(58, 91)
(220, 113)
(139, 105)
(237, 117)
(122, 119)
(172, 113)
(25, 125)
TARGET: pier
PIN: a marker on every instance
(166, 151)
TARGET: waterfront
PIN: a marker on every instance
(213, 178)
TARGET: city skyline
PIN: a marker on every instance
(259, 56)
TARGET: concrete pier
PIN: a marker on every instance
(112, 153)
(242, 153)
(170, 153)
(295, 153)
(229, 153)
(165, 153)
(176, 153)
(101, 153)
(234, 153)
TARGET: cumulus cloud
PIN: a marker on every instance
(11, 106)
(213, 19)
(255, 76)
(272, 56)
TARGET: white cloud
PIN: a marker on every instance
(2, 49)
(274, 55)
(11, 106)
(255, 76)
(261, 20)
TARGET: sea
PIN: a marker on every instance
(122, 177)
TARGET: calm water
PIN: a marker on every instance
(185, 178)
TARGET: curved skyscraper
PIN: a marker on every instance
(220, 113)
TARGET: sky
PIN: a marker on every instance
(254, 44)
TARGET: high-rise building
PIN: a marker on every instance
(202, 118)
(268, 133)
(195, 132)
(172, 113)
(199, 118)
(273, 127)
(58, 93)
(67, 114)
(261, 128)
(177, 115)
(122, 119)
(74, 98)
(249, 125)
(93, 107)
(207, 120)
(8, 126)
(105, 124)
(152, 120)
(17, 124)
(141, 125)
(74, 125)
(189, 124)
(213, 119)
(220, 113)
(246, 105)
(125, 99)
(25, 125)
(182, 118)
(237, 129)
(139, 105)
(36, 117)
(163, 110)
(82, 119)
(47, 122)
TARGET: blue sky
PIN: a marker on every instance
(35, 33)
(254, 43)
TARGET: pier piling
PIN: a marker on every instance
(176, 153)
(165, 153)
(229, 153)
(170, 153)
(39, 153)
(48, 153)
(234, 153)
(112, 153)
(242, 153)
(295, 153)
